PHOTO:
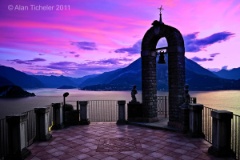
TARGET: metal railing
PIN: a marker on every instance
(3, 138)
(31, 131)
(31, 126)
(235, 138)
(103, 110)
(162, 106)
(235, 130)
(207, 123)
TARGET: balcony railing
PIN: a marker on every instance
(235, 130)
(31, 132)
(207, 123)
(162, 106)
(235, 138)
(103, 110)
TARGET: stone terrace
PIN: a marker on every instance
(108, 141)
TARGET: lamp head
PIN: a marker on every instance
(65, 94)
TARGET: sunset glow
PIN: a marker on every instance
(82, 37)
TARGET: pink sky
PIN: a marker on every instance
(94, 36)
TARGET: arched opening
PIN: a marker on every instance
(162, 69)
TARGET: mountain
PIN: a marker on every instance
(4, 82)
(122, 78)
(58, 81)
(55, 81)
(12, 91)
(229, 74)
(197, 77)
(19, 78)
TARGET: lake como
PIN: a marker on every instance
(222, 100)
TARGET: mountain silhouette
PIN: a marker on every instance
(59, 81)
(19, 78)
(197, 77)
(229, 74)
(4, 81)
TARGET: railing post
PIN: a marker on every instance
(42, 124)
(83, 113)
(17, 136)
(121, 112)
(57, 116)
(195, 120)
(221, 133)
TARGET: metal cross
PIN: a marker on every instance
(161, 8)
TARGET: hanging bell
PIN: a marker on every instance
(161, 59)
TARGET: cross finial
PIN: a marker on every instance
(161, 8)
(160, 20)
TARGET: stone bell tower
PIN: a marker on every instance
(176, 71)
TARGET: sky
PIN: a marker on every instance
(82, 37)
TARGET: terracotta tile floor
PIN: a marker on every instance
(108, 141)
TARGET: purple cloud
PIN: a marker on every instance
(135, 49)
(111, 61)
(192, 44)
(72, 52)
(37, 60)
(214, 55)
(85, 45)
(29, 62)
(197, 59)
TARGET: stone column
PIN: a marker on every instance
(176, 82)
(149, 86)
(195, 120)
(57, 116)
(121, 112)
(83, 113)
(221, 133)
(17, 136)
(42, 124)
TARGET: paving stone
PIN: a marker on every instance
(108, 141)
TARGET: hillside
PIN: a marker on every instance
(229, 74)
(197, 77)
(19, 78)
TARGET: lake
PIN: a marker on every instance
(224, 100)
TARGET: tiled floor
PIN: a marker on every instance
(107, 141)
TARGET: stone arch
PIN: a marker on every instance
(176, 71)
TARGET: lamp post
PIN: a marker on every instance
(64, 103)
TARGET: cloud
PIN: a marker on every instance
(29, 62)
(111, 61)
(214, 55)
(72, 52)
(192, 44)
(89, 67)
(197, 59)
(85, 45)
(135, 49)
(37, 60)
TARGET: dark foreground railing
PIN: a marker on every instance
(207, 123)
(31, 126)
(3, 138)
(162, 106)
(235, 138)
(102, 110)
(30, 129)
(207, 126)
